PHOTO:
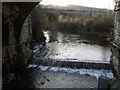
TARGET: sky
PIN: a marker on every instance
(109, 4)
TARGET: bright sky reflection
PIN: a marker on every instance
(109, 4)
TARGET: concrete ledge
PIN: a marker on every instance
(70, 64)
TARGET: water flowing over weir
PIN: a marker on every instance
(66, 60)
(92, 72)
(72, 51)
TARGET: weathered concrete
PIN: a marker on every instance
(66, 80)
(13, 18)
(115, 58)
(35, 78)
(72, 64)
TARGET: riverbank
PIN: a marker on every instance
(36, 78)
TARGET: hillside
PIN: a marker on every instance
(76, 7)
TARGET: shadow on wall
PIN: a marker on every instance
(13, 16)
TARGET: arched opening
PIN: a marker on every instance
(63, 39)
(82, 26)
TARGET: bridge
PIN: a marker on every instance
(14, 15)
(54, 13)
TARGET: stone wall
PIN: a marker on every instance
(13, 17)
(26, 39)
(115, 58)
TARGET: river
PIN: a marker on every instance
(66, 46)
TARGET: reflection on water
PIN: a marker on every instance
(46, 34)
(74, 47)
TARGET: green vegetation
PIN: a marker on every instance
(104, 24)
(72, 27)
(96, 25)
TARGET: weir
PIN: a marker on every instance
(72, 64)
(15, 59)
(71, 51)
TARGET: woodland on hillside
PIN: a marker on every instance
(98, 25)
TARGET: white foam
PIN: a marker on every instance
(37, 48)
(92, 72)
(44, 68)
(32, 66)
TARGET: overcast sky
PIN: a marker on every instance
(109, 4)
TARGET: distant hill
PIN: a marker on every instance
(76, 7)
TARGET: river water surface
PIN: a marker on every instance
(65, 46)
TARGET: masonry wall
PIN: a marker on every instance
(13, 17)
(115, 58)
(26, 39)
